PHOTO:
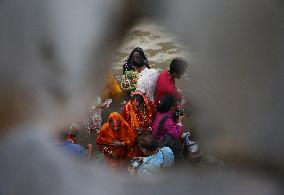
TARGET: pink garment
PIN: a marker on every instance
(170, 127)
(166, 86)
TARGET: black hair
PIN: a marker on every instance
(138, 62)
(139, 98)
(178, 66)
(148, 142)
(166, 103)
(128, 64)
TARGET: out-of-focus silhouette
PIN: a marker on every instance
(54, 54)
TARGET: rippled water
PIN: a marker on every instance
(159, 45)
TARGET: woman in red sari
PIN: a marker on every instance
(139, 112)
(117, 140)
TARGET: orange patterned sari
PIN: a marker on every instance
(125, 134)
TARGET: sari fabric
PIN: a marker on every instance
(125, 134)
(139, 119)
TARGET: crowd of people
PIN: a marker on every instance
(148, 136)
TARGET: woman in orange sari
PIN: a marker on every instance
(139, 112)
(117, 140)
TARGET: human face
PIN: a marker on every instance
(137, 103)
(114, 124)
(136, 55)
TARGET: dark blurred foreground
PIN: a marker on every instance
(54, 56)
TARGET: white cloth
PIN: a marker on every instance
(147, 83)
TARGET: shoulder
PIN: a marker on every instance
(158, 117)
(163, 74)
(80, 150)
(105, 126)
(104, 130)
(153, 71)
(75, 148)
(168, 156)
(169, 121)
(153, 161)
(167, 115)
(166, 150)
(125, 110)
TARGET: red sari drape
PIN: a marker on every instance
(141, 119)
(125, 134)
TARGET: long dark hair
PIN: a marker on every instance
(127, 66)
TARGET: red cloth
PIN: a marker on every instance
(166, 86)
(139, 119)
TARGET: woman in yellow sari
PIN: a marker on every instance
(112, 88)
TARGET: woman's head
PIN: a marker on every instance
(137, 100)
(114, 124)
(114, 121)
(137, 53)
(166, 103)
(138, 61)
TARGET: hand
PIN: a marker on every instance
(116, 143)
(132, 171)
